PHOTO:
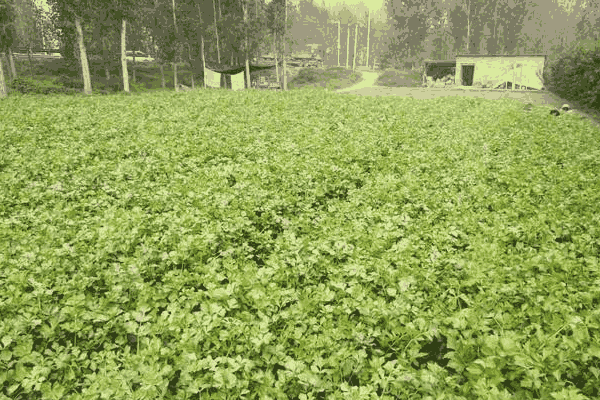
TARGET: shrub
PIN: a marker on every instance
(575, 75)
(27, 85)
(306, 76)
(73, 82)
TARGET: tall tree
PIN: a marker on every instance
(176, 58)
(159, 21)
(27, 29)
(457, 20)
(285, 29)
(217, 32)
(275, 12)
(76, 12)
(512, 16)
(368, 37)
(588, 25)
(339, 48)
(246, 42)
(3, 88)
(7, 37)
(8, 33)
(410, 24)
(108, 32)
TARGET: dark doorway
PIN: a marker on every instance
(467, 75)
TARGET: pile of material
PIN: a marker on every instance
(447, 80)
(565, 109)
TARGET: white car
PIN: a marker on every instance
(139, 56)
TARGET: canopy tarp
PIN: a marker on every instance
(231, 70)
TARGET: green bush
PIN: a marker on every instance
(307, 76)
(26, 85)
(73, 82)
(575, 75)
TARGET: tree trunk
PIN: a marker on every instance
(203, 61)
(368, 35)
(276, 45)
(339, 46)
(246, 50)
(495, 49)
(348, 48)
(178, 50)
(29, 51)
(106, 59)
(468, 27)
(258, 49)
(3, 88)
(355, 37)
(284, 55)
(175, 76)
(217, 33)
(133, 68)
(85, 68)
(162, 75)
(201, 53)
(124, 56)
(11, 60)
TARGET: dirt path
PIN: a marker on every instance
(367, 87)
(367, 82)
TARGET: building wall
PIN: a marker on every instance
(491, 71)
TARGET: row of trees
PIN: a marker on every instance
(234, 31)
(172, 31)
(440, 29)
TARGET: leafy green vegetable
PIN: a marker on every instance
(296, 245)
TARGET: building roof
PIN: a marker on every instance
(501, 55)
(302, 55)
(440, 61)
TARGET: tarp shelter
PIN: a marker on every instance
(229, 77)
(506, 71)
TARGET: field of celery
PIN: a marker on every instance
(297, 245)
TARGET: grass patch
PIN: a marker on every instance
(332, 78)
(397, 78)
(218, 244)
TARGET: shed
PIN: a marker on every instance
(500, 71)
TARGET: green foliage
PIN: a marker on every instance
(181, 245)
(331, 78)
(8, 33)
(70, 81)
(576, 76)
(27, 85)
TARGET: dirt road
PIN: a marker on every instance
(367, 87)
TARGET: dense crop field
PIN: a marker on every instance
(297, 245)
